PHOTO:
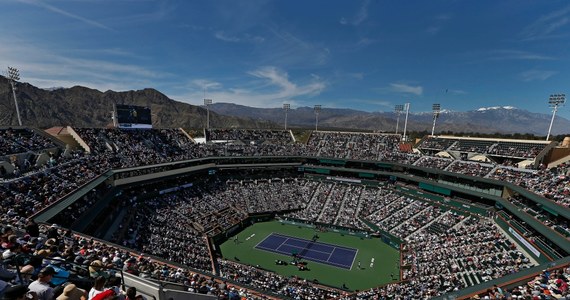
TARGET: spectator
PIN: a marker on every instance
(41, 286)
(131, 293)
(72, 292)
(98, 287)
(18, 292)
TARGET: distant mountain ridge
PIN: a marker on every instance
(498, 119)
(84, 107)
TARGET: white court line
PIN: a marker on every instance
(326, 244)
(354, 258)
(311, 259)
(308, 249)
(326, 262)
(331, 254)
(265, 239)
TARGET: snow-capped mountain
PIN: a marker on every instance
(496, 119)
(495, 108)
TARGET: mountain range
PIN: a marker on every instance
(84, 107)
(488, 120)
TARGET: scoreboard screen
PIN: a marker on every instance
(131, 116)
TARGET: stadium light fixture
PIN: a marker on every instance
(554, 101)
(207, 103)
(286, 108)
(114, 118)
(317, 110)
(407, 109)
(13, 76)
(398, 109)
(436, 110)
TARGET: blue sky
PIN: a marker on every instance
(367, 55)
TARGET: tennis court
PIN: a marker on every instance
(260, 245)
(324, 253)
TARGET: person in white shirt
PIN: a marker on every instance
(98, 287)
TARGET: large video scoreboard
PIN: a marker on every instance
(131, 116)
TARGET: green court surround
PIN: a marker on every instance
(386, 258)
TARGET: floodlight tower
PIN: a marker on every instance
(436, 109)
(554, 101)
(407, 109)
(398, 109)
(286, 108)
(207, 103)
(13, 76)
(114, 118)
(317, 109)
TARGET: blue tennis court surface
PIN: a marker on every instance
(314, 251)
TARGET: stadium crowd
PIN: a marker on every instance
(251, 136)
(361, 146)
(518, 149)
(200, 210)
(553, 184)
(21, 140)
(470, 168)
(469, 252)
(433, 162)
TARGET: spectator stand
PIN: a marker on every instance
(470, 168)
(122, 268)
(29, 191)
(431, 145)
(539, 281)
(549, 188)
(24, 150)
(15, 140)
(543, 214)
(352, 145)
(137, 147)
(249, 136)
(50, 212)
(515, 152)
(521, 150)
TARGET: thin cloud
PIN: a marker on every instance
(221, 35)
(536, 75)
(406, 89)
(547, 25)
(365, 42)
(162, 11)
(66, 13)
(288, 50)
(271, 88)
(443, 17)
(507, 54)
(517, 54)
(289, 38)
(433, 29)
(206, 84)
(360, 16)
(44, 68)
(358, 76)
(280, 79)
(438, 23)
(374, 102)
